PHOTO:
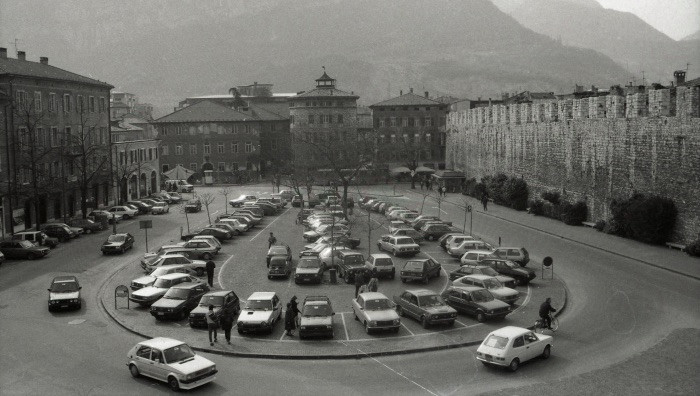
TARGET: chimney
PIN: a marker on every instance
(3, 53)
(44, 60)
(426, 95)
(411, 90)
(679, 76)
(21, 55)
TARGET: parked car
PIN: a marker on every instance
(145, 281)
(143, 207)
(279, 267)
(477, 302)
(218, 233)
(98, 215)
(329, 256)
(407, 217)
(420, 221)
(465, 270)
(179, 185)
(417, 236)
(261, 312)
(490, 283)
(150, 294)
(166, 197)
(39, 238)
(297, 201)
(431, 232)
(198, 266)
(159, 208)
(2, 258)
(279, 250)
(64, 292)
(381, 265)
(326, 229)
(313, 201)
(170, 361)
(88, 226)
(247, 220)
(267, 207)
(179, 300)
(237, 202)
(445, 238)
(118, 243)
(193, 205)
(124, 210)
(472, 257)
(22, 250)
(511, 346)
(196, 249)
(308, 270)
(253, 209)
(466, 246)
(342, 239)
(60, 231)
(522, 275)
(225, 302)
(209, 238)
(349, 263)
(316, 317)
(238, 226)
(287, 194)
(425, 306)
(420, 269)
(398, 245)
(375, 312)
(516, 254)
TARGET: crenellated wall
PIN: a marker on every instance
(595, 158)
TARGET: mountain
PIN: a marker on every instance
(622, 36)
(165, 51)
(694, 36)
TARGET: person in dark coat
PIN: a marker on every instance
(295, 308)
(484, 200)
(211, 325)
(271, 240)
(226, 321)
(210, 272)
(290, 317)
(360, 280)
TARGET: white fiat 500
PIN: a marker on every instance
(171, 361)
(511, 346)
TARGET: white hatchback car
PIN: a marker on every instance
(171, 361)
(510, 346)
(125, 211)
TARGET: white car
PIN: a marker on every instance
(472, 257)
(238, 227)
(492, 284)
(150, 294)
(212, 239)
(145, 281)
(160, 208)
(171, 361)
(262, 310)
(467, 245)
(398, 245)
(125, 211)
(511, 346)
(376, 312)
(166, 259)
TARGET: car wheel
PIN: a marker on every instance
(89, 231)
(240, 331)
(547, 351)
(514, 364)
(104, 253)
(31, 256)
(451, 323)
(126, 217)
(486, 364)
(200, 271)
(173, 384)
(424, 322)
(425, 279)
(355, 315)
(134, 371)
(269, 277)
(379, 246)
(122, 250)
(396, 330)
(480, 317)
(207, 256)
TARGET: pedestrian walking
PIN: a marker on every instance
(211, 325)
(359, 281)
(210, 272)
(290, 316)
(271, 240)
(226, 321)
(421, 184)
(484, 200)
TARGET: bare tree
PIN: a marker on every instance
(226, 191)
(409, 150)
(182, 208)
(365, 222)
(207, 199)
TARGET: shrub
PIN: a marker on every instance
(496, 188)
(599, 225)
(515, 193)
(574, 214)
(693, 248)
(479, 190)
(647, 219)
(552, 196)
(537, 207)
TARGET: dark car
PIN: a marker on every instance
(64, 292)
(349, 263)
(279, 250)
(142, 207)
(60, 231)
(316, 317)
(279, 267)
(420, 269)
(267, 207)
(297, 201)
(225, 302)
(522, 275)
(88, 226)
(22, 250)
(431, 232)
(193, 205)
(38, 238)
(476, 301)
(419, 222)
(217, 233)
(118, 243)
(314, 201)
(308, 270)
(179, 300)
(425, 306)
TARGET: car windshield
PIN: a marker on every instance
(160, 204)
(162, 271)
(63, 287)
(178, 353)
(216, 301)
(492, 284)
(264, 305)
(404, 241)
(116, 238)
(176, 294)
(430, 301)
(26, 244)
(495, 341)
(414, 266)
(377, 304)
(382, 261)
(162, 282)
(192, 202)
(278, 250)
(489, 271)
(482, 296)
(316, 310)
(354, 259)
(309, 263)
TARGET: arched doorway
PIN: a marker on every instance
(154, 182)
(142, 185)
(133, 187)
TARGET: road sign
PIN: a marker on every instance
(548, 264)
(145, 224)
(547, 261)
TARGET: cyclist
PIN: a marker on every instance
(545, 310)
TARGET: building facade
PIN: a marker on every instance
(135, 161)
(54, 142)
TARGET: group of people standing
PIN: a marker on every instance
(213, 322)
(365, 281)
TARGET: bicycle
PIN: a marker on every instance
(539, 325)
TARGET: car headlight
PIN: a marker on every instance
(189, 376)
(329, 327)
(303, 327)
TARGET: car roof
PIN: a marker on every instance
(422, 292)
(64, 278)
(374, 296)
(262, 296)
(161, 343)
(188, 285)
(479, 276)
(173, 275)
(466, 288)
(510, 331)
(480, 251)
(380, 255)
(218, 293)
(422, 260)
(348, 252)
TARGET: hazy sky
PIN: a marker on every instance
(676, 18)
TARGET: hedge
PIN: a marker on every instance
(648, 219)
(693, 248)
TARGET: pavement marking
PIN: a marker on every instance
(404, 326)
(457, 321)
(284, 334)
(526, 301)
(271, 223)
(76, 321)
(345, 327)
(442, 270)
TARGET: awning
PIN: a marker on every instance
(178, 173)
(400, 169)
(424, 169)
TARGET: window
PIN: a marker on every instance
(103, 104)
(381, 123)
(340, 118)
(518, 342)
(411, 121)
(428, 121)
(311, 118)
(163, 150)
(178, 130)
(234, 166)
(220, 148)
(234, 148)
(222, 166)
(193, 149)
(79, 104)
(91, 104)
(427, 138)
(165, 168)
(328, 119)
(122, 158)
(39, 136)
(291, 119)
(56, 137)
(442, 121)
(404, 121)
(392, 121)
(207, 148)
(103, 135)
(193, 166)
(21, 99)
(248, 147)
(178, 149)
(52, 102)
(66, 103)
(274, 144)
(37, 102)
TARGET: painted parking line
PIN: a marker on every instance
(271, 223)
(345, 327)
(526, 301)
(407, 329)
(457, 321)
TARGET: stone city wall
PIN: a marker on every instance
(595, 158)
